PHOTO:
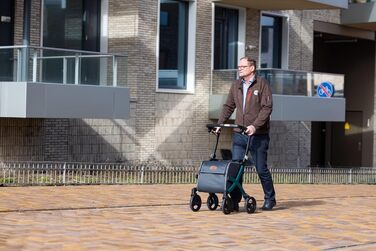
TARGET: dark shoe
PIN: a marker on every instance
(268, 205)
(236, 207)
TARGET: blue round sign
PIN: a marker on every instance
(325, 90)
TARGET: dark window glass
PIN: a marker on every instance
(226, 38)
(71, 24)
(271, 41)
(6, 39)
(173, 34)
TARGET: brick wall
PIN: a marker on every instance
(21, 139)
(35, 24)
(164, 127)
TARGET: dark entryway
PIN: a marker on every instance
(6, 39)
(349, 143)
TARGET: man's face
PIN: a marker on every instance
(244, 68)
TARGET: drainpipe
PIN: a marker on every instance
(25, 40)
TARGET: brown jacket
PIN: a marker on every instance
(258, 108)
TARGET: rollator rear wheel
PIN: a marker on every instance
(212, 201)
(250, 205)
(195, 203)
(227, 206)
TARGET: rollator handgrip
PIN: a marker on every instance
(234, 126)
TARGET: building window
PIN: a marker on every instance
(71, 24)
(226, 37)
(273, 41)
(173, 44)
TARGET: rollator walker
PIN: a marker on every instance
(222, 176)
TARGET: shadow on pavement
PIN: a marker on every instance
(297, 203)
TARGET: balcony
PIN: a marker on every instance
(40, 82)
(360, 14)
(294, 95)
(287, 5)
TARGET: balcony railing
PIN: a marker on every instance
(286, 5)
(294, 95)
(361, 1)
(41, 82)
(283, 82)
(53, 65)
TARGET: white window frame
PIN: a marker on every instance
(191, 51)
(241, 30)
(285, 38)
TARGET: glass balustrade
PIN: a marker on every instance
(53, 65)
(361, 1)
(283, 82)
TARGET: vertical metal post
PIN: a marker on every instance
(19, 64)
(35, 66)
(142, 174)
(64, 170)
(64, 70)
(350, 176)
(114, 71)
(25, 40)
(310, 176)
(76, 69)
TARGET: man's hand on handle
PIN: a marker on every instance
(216, 130)
(250, 130)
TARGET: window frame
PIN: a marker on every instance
(241, 31)
(285, 38)
(190, 53)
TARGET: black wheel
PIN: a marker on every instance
(212, 201)
(195, 203)
(227, 206)
(250, 205)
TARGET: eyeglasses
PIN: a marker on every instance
(243, 66)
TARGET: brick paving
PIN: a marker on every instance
(157, 217)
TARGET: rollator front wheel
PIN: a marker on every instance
(250, 205)
(227, 206)
(195, 203)
(212, 201)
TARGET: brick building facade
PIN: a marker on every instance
(165, 127)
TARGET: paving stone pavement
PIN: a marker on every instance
(157, 217)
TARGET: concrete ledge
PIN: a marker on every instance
(42, 100)
(360, 15)
(293, 108)
(287, 5)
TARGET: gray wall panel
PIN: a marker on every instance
(39, 100)
(294, 108)
(12, 99)
(121, 108)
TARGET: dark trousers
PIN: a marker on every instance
(259, 152)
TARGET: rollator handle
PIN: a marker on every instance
(233, 126)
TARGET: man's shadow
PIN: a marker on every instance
(283, 205)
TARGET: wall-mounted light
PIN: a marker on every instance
(250, 47)
(341, 41)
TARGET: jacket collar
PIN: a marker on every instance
(240, 81)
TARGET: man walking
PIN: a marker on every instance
(252, 97)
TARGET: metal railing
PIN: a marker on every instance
(361, 1)
(65, 66)
(42, 173)
(283, 82)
